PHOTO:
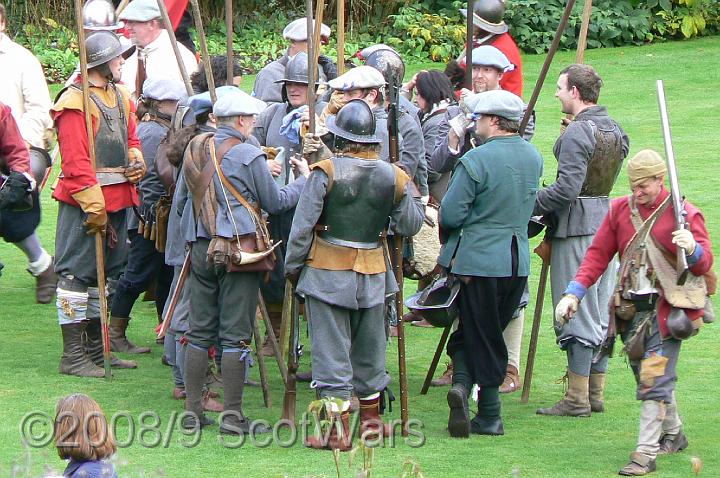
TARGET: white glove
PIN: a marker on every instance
(459, 125)
(566, 308)
(684, 238)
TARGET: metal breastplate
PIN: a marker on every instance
(111, 148)
(605, 163)
(358, 206)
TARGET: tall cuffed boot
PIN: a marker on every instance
(45, 278)
(94, 347)
(576, 402)
(74, 360)
(196, 360)
(596, 387)
(488, 420)
(642, 460)
(275, 321)
(672, 439)
(233, 421)
(119, 342)
(338, 437)
(372, 426)
(457, 398)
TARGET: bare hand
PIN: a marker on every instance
(564, 122)
(135, 172)
(274, 167)
(300, 165)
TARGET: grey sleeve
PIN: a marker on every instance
(530, 127)
(408, 214)
(261, 126)
(274, 199)
(441, 159)
(307, 214)
(573, 152)
(181, 196)
(150, 186)
(412, 147)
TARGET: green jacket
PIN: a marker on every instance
(489, 201)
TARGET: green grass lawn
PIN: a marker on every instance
(533, 446)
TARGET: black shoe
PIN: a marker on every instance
(230, 424)
(459, 418)
(190, 421)
(487, 426)
(304, 377)
(670, 444)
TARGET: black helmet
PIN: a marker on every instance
(100, 15)
(39, 163)
(354, 122)
(103, 46)
(488, 16)
(388, 62)
(437, 302)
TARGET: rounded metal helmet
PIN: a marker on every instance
(679, 324)
(437, 303)
(39, 163)
(488, 16)
(103, 46)
(296, 70)
(100, 15)
(389, 63)
(354, 122)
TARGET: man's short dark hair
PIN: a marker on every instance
(585, 79)
(218, 63)
(507, 125)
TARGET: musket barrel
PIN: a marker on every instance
(677, 199)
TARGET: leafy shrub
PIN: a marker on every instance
(54, 46)
(420, 35)
(683, 18)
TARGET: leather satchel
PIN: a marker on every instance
(252, 252)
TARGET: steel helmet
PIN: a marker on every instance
(100, 15)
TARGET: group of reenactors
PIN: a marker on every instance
(226, 203)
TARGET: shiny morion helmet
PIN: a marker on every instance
(355, 122)
(296, 71)
(100, 15)
(102, 47)
(437, 303)
(488, 16)
(387, 61)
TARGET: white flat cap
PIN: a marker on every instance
(164, 89)
(238, 103)
(357, 79)
(486, 55)
(498, 103)
(297, 30)
(141, 11)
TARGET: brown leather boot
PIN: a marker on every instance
(210, 404)
(639, 465)
(74, 360)
(338, 438)
(276, 321)
(576, 402)
(45, 284)
(119, 342)
(512, 380)
(94, 347)
(372, 426)
(445, 379)
(597, 392)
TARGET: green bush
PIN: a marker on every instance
(55, 46)
(683, 18)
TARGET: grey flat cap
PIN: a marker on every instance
(201, 103)
(486, 55)
(238, 103)
(499, 103)
(141, 11)
(297, 30)
(164, 89)
(357, 79)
